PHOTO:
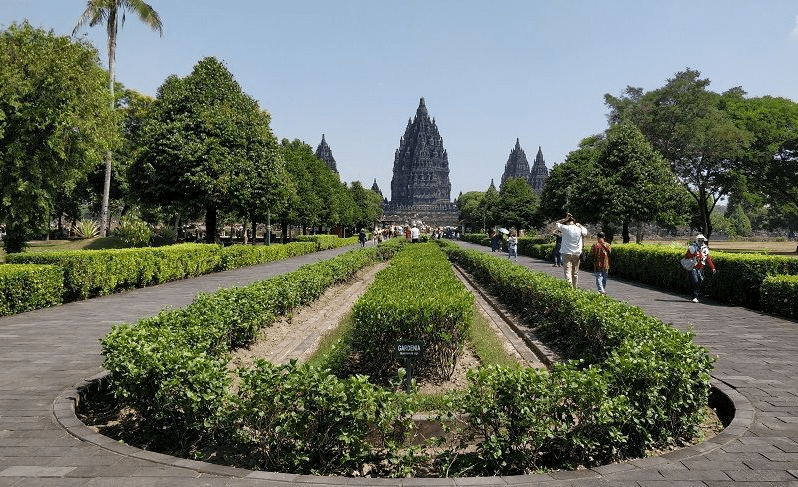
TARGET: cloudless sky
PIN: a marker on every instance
(490, 72)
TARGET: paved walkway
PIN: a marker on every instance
(45, 353)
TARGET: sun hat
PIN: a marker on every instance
(700, 236)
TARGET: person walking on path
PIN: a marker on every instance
(362, 237)
(571, 250)
(512, 246)
(556, 255)
(600, 251)
(699, 252)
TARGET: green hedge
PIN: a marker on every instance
(417, 298)
(779, 295)
(738, 280)
(24, 287)
(172, 368)
(648, 382)
(90, 273)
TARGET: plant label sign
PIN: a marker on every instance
(405, 350)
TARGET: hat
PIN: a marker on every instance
(700, 236)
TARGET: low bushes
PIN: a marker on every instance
(417, 298)
(779, 295)
(172, 369)
(633, 383)
(90, 273)
(24, 287)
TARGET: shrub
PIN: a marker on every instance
(86, 229)
(779, 295)
(416, 298)
(24, 287)
(301, 419)
(134, 232)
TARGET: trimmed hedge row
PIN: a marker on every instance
(738, 280)
(779, 294)
(90, 273)
(24, 287)
(172, 368)
(417, 298)
(638, 384)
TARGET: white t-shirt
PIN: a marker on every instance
(414, 233)
(572, 238)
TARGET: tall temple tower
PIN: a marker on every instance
(324, 153)
(539, 173)
(517, 166)
(421, 165)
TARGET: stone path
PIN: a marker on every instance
(45, 353)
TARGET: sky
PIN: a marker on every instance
(490, 72)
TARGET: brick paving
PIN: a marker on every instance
(44, 354)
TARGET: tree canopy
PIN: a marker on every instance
(206, 144)
(56, 123)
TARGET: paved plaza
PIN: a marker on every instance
(44, 354)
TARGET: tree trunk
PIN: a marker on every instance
(104, 219)
(640, 233)
(284, 228)
(625, 232)
(210, 223)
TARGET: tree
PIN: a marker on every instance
(569, 181)
(107, 12)
(631, 182)
(368, 205)
(685, 123)
(518, 205)
(207, 146)
(488, 207)
(468, 205)
(55, 122)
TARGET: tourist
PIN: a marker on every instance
(512, 246)
(571, 249)
(555, 254)
(414, 234)
(698, 251)
(600, 251)
(494, 241)
(362, 237)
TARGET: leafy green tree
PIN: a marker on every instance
(107, 12)
(317, 201)
(489, 207)
(368, 205)
(56, 122)
(207, 145)
(685, 122)
(569, 181)
(518, 205)
(468, 206)
(631, 182)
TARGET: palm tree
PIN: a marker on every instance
(107, 12)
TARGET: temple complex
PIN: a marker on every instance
(420, 188)
(324, 153)
(517, 166)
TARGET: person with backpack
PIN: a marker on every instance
(698, 251)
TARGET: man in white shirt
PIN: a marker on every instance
(571, 248)
(414, 234)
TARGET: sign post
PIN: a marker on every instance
(408, 351)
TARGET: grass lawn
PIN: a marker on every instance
(95, 243)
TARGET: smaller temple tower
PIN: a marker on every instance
(517, 166)
(324, 153)
(539, 173)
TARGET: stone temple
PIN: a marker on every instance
(420, 188)
(324, 153)
(517, 166)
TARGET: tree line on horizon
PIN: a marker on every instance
(669, 157)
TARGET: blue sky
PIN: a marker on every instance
(489, 71)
